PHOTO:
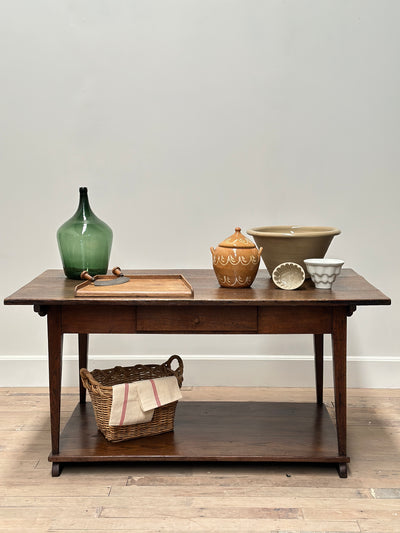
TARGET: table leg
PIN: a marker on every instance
(319, 366)
(83, 339)
(55, 344)
(339, 337)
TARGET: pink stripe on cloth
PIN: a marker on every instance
(155, 393)
(123, 412)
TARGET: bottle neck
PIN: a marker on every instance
(84, 210)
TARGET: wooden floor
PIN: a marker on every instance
(202, 497)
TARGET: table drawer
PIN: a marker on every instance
(204, 319)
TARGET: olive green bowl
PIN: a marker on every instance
(283, 244)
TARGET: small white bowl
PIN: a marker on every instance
(323, 272)
(288, 276)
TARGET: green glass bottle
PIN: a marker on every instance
(84, 241)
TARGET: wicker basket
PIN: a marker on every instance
(99, 384)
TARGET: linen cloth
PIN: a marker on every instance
(156, 392)
(134, 403)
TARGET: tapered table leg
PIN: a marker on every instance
(339, 336)
(83, 359)
(55, 345)
(319, 366)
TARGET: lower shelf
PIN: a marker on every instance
(214, 431)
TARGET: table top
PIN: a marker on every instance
(53, 288)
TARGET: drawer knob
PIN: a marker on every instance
(197, 320)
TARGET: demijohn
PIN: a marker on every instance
(84, 241)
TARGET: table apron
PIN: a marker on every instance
(204, 319)
(302, 319)
(98, 319)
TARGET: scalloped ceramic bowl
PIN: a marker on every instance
(282, 244)
(288, 276)
(324, 271)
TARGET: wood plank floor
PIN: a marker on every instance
(202, 497)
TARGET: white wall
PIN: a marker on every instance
(185, 118)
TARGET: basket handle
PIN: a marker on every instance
(88, 381)
(178, 371)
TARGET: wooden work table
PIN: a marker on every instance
(207, 431)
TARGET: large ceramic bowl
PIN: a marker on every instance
(283, 244)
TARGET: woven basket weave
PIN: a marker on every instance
(99, 384)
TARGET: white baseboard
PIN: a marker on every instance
(244, 371)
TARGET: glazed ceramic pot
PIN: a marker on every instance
(236, 261)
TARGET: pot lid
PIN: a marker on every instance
(237, 240)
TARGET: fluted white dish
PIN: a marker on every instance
(323, 272)
(288, 276)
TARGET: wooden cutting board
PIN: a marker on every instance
(147, 286)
